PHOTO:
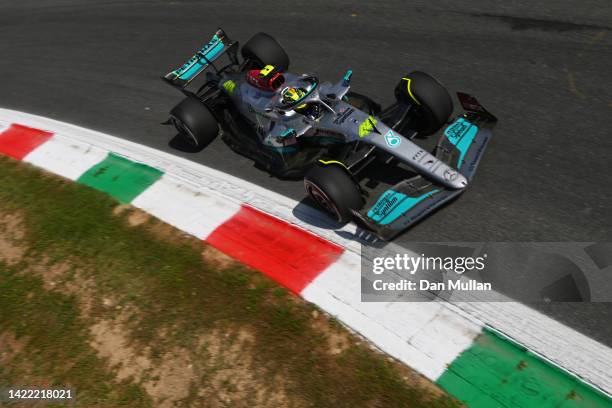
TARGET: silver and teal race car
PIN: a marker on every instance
(358, 162)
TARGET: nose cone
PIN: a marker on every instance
(453, 179)
(461, 182)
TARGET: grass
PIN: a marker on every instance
(170, 303)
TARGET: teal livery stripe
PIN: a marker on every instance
(195, 63)
(283, 149)
(461, 135)
(392, 205)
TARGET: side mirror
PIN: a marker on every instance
(347, 78)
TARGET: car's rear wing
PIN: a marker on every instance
(204, 58)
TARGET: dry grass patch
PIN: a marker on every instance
(11, 237)
(135, 216)
(11, 346)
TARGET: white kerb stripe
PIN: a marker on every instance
(66, 157)
(184, 207)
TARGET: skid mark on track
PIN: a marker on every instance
(598, 37)
(527, 23)
(571, 80)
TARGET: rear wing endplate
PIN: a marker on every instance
(203, 59)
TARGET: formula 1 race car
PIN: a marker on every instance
(358, 161)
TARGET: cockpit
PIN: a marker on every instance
(297, 91)
(300, 96)
(289, 94)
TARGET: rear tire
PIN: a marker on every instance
(262, 49)
(195, 122)
(432, 102)
(334, 191)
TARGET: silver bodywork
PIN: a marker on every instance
(279, 125)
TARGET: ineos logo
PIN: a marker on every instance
(419, 155)
(384, 208)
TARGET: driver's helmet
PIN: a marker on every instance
(292, 94)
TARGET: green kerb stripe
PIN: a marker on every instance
(496, 373)
(120, 177)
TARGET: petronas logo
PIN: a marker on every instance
(393, 140)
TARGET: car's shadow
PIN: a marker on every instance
(306, 211)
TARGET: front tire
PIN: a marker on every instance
(334, 191)
(195, 122)
(432, 102)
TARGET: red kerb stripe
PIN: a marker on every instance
(18, 140)
(289, 255)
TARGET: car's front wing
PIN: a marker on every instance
(461, 146)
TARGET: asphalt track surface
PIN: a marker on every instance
(543, 69)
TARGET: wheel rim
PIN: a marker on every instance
(322, 199)
(184, 129)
